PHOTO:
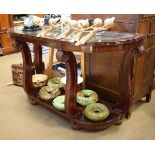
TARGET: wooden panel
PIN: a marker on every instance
(120, 17)
(6, 40)
(143, 71)
(152, 31)
(144, 65)
(123, 27)
(152, 43)
(103, 73)
(4, 22)
(108, 70)
(144, 28)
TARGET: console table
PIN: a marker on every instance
(130, 44)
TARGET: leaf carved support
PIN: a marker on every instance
(71, 83)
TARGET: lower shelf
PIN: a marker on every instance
(49, 106)
(82, 122)
(79, 121)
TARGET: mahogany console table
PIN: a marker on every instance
(129, 43)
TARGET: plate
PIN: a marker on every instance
(80, 80)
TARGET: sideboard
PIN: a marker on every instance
(129, 44)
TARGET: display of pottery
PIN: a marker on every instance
(58, 103)
(47, 93)
(96, 112)
(39, 80)
(55, 82)
(86, 97)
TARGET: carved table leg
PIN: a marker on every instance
(83, 69)
(148, 96)
(33, 102)
(71, 83)
(39, 65)
(50, 64)
(27, 69)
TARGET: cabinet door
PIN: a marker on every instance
(152, 43)
(144, 28)
(142, 64)
(6, 44)
(4, 22)
(5, 40)
(152, 31)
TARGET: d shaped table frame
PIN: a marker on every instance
(109, 42)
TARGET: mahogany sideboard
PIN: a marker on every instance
(129, 44)
(5, 41)
(143, 67)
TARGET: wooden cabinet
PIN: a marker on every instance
(6, 21)
(5, 40)
(152, 42)
(152, 31)
(105, 76)
(144, 66)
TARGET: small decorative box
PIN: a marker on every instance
(17, 74)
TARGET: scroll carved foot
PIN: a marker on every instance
(128, 114)
(119, 123)
(148, 98)
(75, 126)
(71, 81)
(33, 102)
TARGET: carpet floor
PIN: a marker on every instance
(21, 120)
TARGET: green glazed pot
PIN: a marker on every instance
(96, 112)
(55, 82)
(58, 103)
(39, 80)
(47, 93)
(86, 97)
